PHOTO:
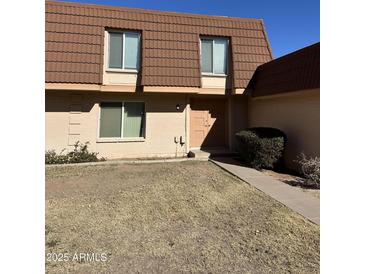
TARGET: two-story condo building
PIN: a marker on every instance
(139, 83)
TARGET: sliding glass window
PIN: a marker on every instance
(124, 50)
(214, 56)
(122, 120)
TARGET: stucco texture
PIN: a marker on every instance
(297, 114)
(73, 116)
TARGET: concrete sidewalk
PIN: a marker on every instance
(299, 201)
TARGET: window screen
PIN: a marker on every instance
(110, 119)
(115, 50)
(207, 56)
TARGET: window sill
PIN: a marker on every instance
(214, 75)
(122, 70)
(120, 140)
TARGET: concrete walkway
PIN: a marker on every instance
(294, 198)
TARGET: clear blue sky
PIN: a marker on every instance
(290, 25)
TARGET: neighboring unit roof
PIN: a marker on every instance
(299, 70)
(170, 43)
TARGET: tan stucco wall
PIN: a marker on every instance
(119, 78)
(237, 116)
(297, 114)
(214, 82)
(72, 116)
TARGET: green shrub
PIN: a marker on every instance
(310, 168)
(80, 154)
(261, 147)
(53, 158)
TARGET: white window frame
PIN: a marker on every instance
(227, 59)
(123, 51)
(121, 139)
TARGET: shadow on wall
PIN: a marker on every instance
(73, 116)
(63, 101)
(208, 124)
(213, 130)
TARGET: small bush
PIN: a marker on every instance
(309, 167)
(261, 147)
(80, 154)
(53, 158)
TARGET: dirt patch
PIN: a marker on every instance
(172, 218)
(294, 181)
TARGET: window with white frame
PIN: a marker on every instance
(214, 55)
(122, 120)
(124, 50)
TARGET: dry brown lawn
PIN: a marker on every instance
(188, 217)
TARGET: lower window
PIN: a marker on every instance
(122, 120)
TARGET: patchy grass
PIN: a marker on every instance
(172, 217)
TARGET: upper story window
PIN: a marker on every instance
(124, 51)
(214, 56)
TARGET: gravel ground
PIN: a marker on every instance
(294, 181)
(189, 217)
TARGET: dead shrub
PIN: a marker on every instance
(310, 169)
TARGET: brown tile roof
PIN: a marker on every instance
(170, 43)
(299, 70)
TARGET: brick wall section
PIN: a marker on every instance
(170, 43)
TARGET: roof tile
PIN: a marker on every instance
(299, 70)
(170, 41)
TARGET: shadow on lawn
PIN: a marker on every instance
(282, 174)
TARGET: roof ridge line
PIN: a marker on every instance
(266, 38)
(291, 53)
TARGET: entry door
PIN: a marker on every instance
(208, 122)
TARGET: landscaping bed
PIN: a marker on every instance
(294, 181)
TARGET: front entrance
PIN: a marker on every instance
(208, 122)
